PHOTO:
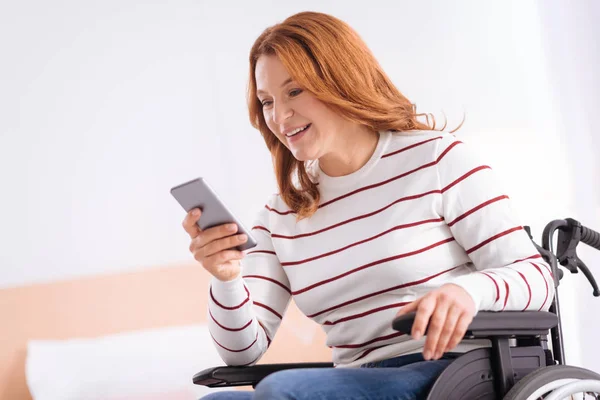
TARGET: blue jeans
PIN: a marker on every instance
(402, 378)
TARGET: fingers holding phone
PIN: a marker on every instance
(219, 238)
(198, 194)
(214, 248)
(190, 223)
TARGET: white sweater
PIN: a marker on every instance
(420, 213)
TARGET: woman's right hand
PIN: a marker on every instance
(213, 248)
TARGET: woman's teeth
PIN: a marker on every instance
(297, 131)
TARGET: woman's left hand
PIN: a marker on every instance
(446, 313)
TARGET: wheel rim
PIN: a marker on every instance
(542, 382)
(549, 387)
(580, 386)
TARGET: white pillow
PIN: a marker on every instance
(149, 364)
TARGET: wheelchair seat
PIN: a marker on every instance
(474, 369)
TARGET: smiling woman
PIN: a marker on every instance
(314, 70)
(307, 126)
(378, 214)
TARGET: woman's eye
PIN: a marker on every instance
(295, 92)
(266, 103)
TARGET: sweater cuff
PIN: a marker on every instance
(229, 293)
(481, 289)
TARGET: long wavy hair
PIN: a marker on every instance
(329, 59)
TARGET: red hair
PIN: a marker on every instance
(328, 58)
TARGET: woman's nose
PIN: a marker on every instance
(281, 112)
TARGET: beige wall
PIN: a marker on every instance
(90, 307)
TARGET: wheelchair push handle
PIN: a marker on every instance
(590, 237)
(570, 233)
(585, 235)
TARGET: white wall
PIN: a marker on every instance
(573, 59)
(106, 105)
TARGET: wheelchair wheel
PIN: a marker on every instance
(540, 383)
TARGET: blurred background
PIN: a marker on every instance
(104, 106)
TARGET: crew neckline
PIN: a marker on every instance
(337, 181)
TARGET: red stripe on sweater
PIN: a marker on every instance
(487, 241)
(545, 281)
(430, 164)
(230, 308)
(364, 314)
(381, 292)
(229, 329)
(368, 351)
(266, 278)
(497, 287)
(465, 176)
(395, 228)
(479, 207)
(413, 197)
(266, 335)
(268, 308)
(262, 252)
(235, 351)
(260, 227)
(279, 212)
(251, 362)
(378, 339)
(548, 268)
(543, 263)
(454, 144)
(528, 258)
(412, 146)
(506, 287)
(371, 264)
(507, 292)
(528, 287)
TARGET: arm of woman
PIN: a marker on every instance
(245, 313)
(508, 272)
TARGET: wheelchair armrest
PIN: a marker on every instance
(489, 323)
(245, 376)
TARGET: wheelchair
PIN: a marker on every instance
(519, 365)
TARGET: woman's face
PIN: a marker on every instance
(304, 124)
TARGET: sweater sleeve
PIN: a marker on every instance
(508, 272)
(245, 313)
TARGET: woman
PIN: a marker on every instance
(378, 214)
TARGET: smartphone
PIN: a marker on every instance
(197, 193)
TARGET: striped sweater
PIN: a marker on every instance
(422, 212)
